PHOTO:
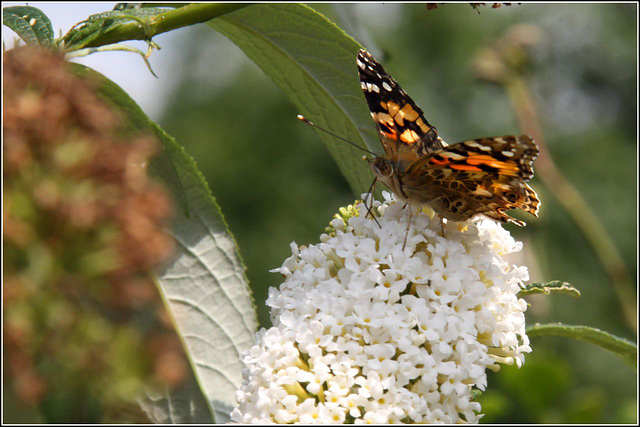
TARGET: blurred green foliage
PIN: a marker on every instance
(276, 183)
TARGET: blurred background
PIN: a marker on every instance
(276, 183)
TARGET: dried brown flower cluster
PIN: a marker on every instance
(431, 6)
(82, 229)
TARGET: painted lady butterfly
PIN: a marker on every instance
(482, 176)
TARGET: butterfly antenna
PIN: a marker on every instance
(370, 195)
(309, 122)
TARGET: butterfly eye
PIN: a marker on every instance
(381, 168)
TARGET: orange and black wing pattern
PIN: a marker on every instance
(404, 132)
(486, 175)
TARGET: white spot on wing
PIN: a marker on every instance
(373, 88)
(482, 192)
(454, 156)
(472, 144)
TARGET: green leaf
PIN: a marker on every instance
(204, 285)
(322, 84)
(556, 287)
(626, 349)
(207, 289)
(137, 122)
(183, 405)
(30, 23)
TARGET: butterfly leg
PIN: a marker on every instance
(406, 234)
(442, 220)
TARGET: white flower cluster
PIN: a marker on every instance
(367, 329)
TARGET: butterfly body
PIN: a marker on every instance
(482, 176)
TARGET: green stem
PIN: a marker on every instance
(172, 19)
(620, 346)
(571, 200)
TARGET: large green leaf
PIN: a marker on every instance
(30, 23)
(204, 285)
(323, 83)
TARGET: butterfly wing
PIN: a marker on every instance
(404, 132)
(486, 175)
